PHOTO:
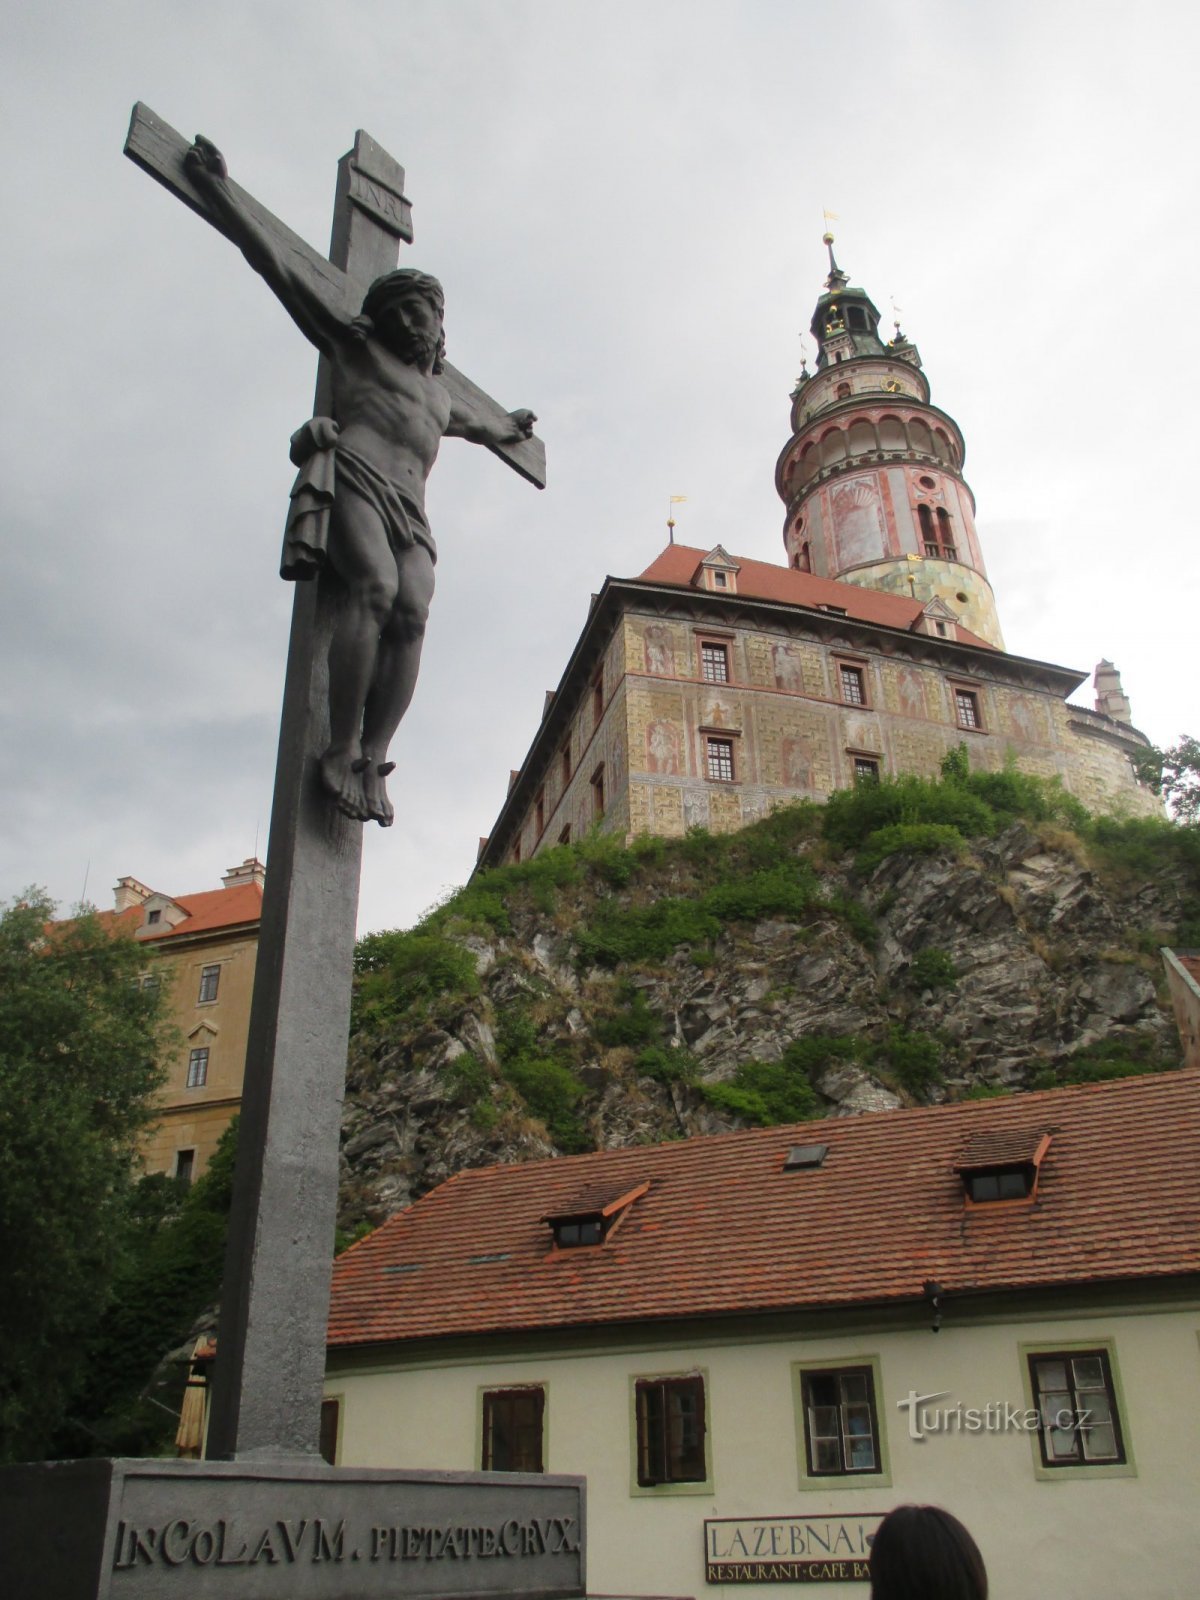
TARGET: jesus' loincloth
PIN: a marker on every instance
(325, 466)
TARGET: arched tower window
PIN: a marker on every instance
(802, 560)
(946, 535)
(928, 536)
(833, 447)
(843, 391)
(891, 434)
(937, 533)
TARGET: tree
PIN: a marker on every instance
(1175, 774)
(80, 1041)
(170, 1272)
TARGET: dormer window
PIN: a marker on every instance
(591, 1217)
(572, 1231)
(1002, 1166)
(1005, 1183)
(718, 571)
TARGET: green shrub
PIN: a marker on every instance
(931, 969)
(1011, 793)
(776, 837)
(401, 969)
(666, 1064)
(766, 1093)
(857, 918)
(784, 890)
(481, 906)
(552, 1093)
(771, 1092)
(914, 1059)
(852, 815)
(467, 1078)
(911, 838)
(1130, 1056)
(1147, 847)
(644, 933)
(955, 765)
(634, 1025)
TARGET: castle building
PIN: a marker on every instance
(203, 947)
(712, 688)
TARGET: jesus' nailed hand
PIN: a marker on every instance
(359, 500)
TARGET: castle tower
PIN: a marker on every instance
(872, 475)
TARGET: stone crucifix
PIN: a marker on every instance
(357, 522)
(359, 501)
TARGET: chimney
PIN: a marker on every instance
(1111, 699)
(129, 892)
(250, 871)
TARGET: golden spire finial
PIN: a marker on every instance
(673, 500)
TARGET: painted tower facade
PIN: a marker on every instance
(872, 475)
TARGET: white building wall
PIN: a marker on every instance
(1085, 1533)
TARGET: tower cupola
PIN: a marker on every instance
(872, 475)
(845, 324)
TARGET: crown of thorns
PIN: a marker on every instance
(385, 291)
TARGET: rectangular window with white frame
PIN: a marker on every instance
(966, 708)
(210, 978)
(852, 681)
(714, 662)
(841, 1438)
(197, 1071)
(719, 760)
(1075, 1396)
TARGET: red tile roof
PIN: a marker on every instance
(763, 580)
(725, 1230)
(206, 912)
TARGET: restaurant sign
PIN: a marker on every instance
(789, 1549)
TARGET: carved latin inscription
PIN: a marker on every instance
(224, 1542)
(388, 208)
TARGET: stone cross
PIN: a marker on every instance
(275, 1300)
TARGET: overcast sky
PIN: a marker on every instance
(624, 202)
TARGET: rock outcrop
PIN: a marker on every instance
(1016, 963)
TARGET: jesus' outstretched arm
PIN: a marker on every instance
(479, 429)
(306, 300)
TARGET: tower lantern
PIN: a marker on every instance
(872, 475)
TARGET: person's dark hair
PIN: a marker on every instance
(923, 1553)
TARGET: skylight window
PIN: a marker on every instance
(805, 1157)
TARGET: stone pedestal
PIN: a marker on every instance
(212, 1530)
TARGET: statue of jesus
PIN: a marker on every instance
(359, 499)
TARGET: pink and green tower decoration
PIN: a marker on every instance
(872, 475)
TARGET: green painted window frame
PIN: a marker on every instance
(690, 1486)
(1086, 1471)
(881, 1477)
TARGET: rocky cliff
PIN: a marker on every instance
(597, 996)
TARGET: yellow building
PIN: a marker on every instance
(202, 947)
(755, 1345)
(713, 688)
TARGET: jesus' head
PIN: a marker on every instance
(404, 309)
